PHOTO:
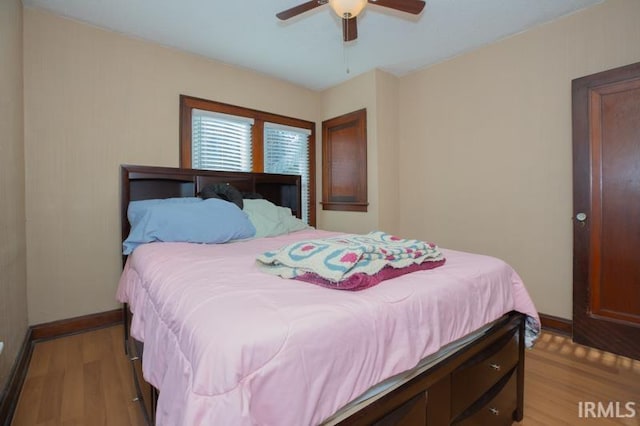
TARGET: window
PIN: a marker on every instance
(286, 151)
(217, 136)
(220, 141)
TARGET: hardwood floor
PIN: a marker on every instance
(559, 375)
(85, 379)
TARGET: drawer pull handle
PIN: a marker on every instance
(494, 411)
(495, 366)
(136, 399)
(134, 358)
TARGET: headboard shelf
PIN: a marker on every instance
(148, 182)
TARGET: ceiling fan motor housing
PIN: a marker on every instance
(348, 10)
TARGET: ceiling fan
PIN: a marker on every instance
(348, 10)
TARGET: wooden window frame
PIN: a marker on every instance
(188, 103)
(356, 200)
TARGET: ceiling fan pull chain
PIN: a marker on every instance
(346, 57)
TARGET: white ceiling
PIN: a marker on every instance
(308, 50)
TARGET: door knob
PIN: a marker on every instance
(581, 217)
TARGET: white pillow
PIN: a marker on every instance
(271, 220)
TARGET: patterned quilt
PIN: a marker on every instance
(351, 262)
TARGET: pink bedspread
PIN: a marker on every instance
(227, 344)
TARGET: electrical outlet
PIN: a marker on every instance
(1, 347)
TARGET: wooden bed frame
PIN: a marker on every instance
(481, 383)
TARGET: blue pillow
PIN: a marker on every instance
(138, 208)
(192, 220)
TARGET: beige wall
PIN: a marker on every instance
(13, 293)
(94, 100)
(485, 144)
(376, 91)
(355, 94)
(387, 186)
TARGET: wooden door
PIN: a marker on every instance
(606, 180)
(344, 162)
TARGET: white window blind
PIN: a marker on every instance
(220, 141)
(286, 151)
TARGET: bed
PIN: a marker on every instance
(214, 340)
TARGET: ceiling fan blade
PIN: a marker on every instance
(301, 8)
(349, 28)
(409, 6)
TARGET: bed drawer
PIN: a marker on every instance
(143, 389)
(500, 408)
(478, 374)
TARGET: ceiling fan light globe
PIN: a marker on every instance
(347, 8)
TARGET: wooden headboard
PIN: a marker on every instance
(148, 182)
